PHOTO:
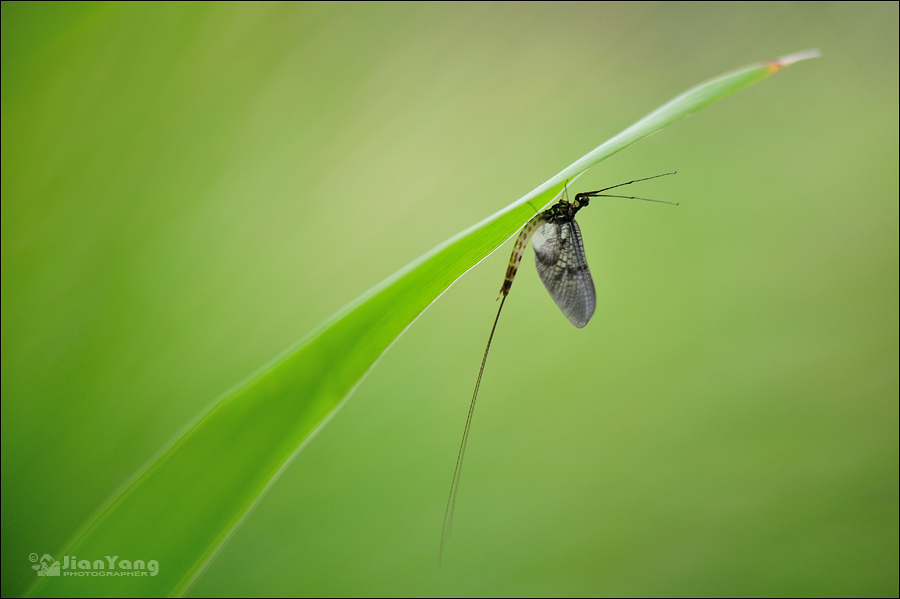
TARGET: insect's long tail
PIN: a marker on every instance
(454, 486)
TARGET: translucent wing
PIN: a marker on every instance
(560, 261)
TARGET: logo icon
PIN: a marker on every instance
(47, 566)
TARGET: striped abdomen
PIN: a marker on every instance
(519, 250)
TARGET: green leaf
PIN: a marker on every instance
(182, 508)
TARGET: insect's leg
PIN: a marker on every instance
(518, 251)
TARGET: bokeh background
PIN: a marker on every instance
(188, 189)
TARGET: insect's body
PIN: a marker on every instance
(559, 258)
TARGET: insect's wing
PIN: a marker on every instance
(560, 261)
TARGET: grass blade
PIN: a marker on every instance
(183, 507)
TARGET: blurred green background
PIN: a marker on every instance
(188, 189)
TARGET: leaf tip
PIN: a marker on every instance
(784, 61)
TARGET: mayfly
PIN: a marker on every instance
(561, 264)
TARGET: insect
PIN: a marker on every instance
(562, 267)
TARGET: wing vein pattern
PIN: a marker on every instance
(562, 266)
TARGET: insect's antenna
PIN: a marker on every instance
(605, 195)
(454, 486)
(592, 193)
